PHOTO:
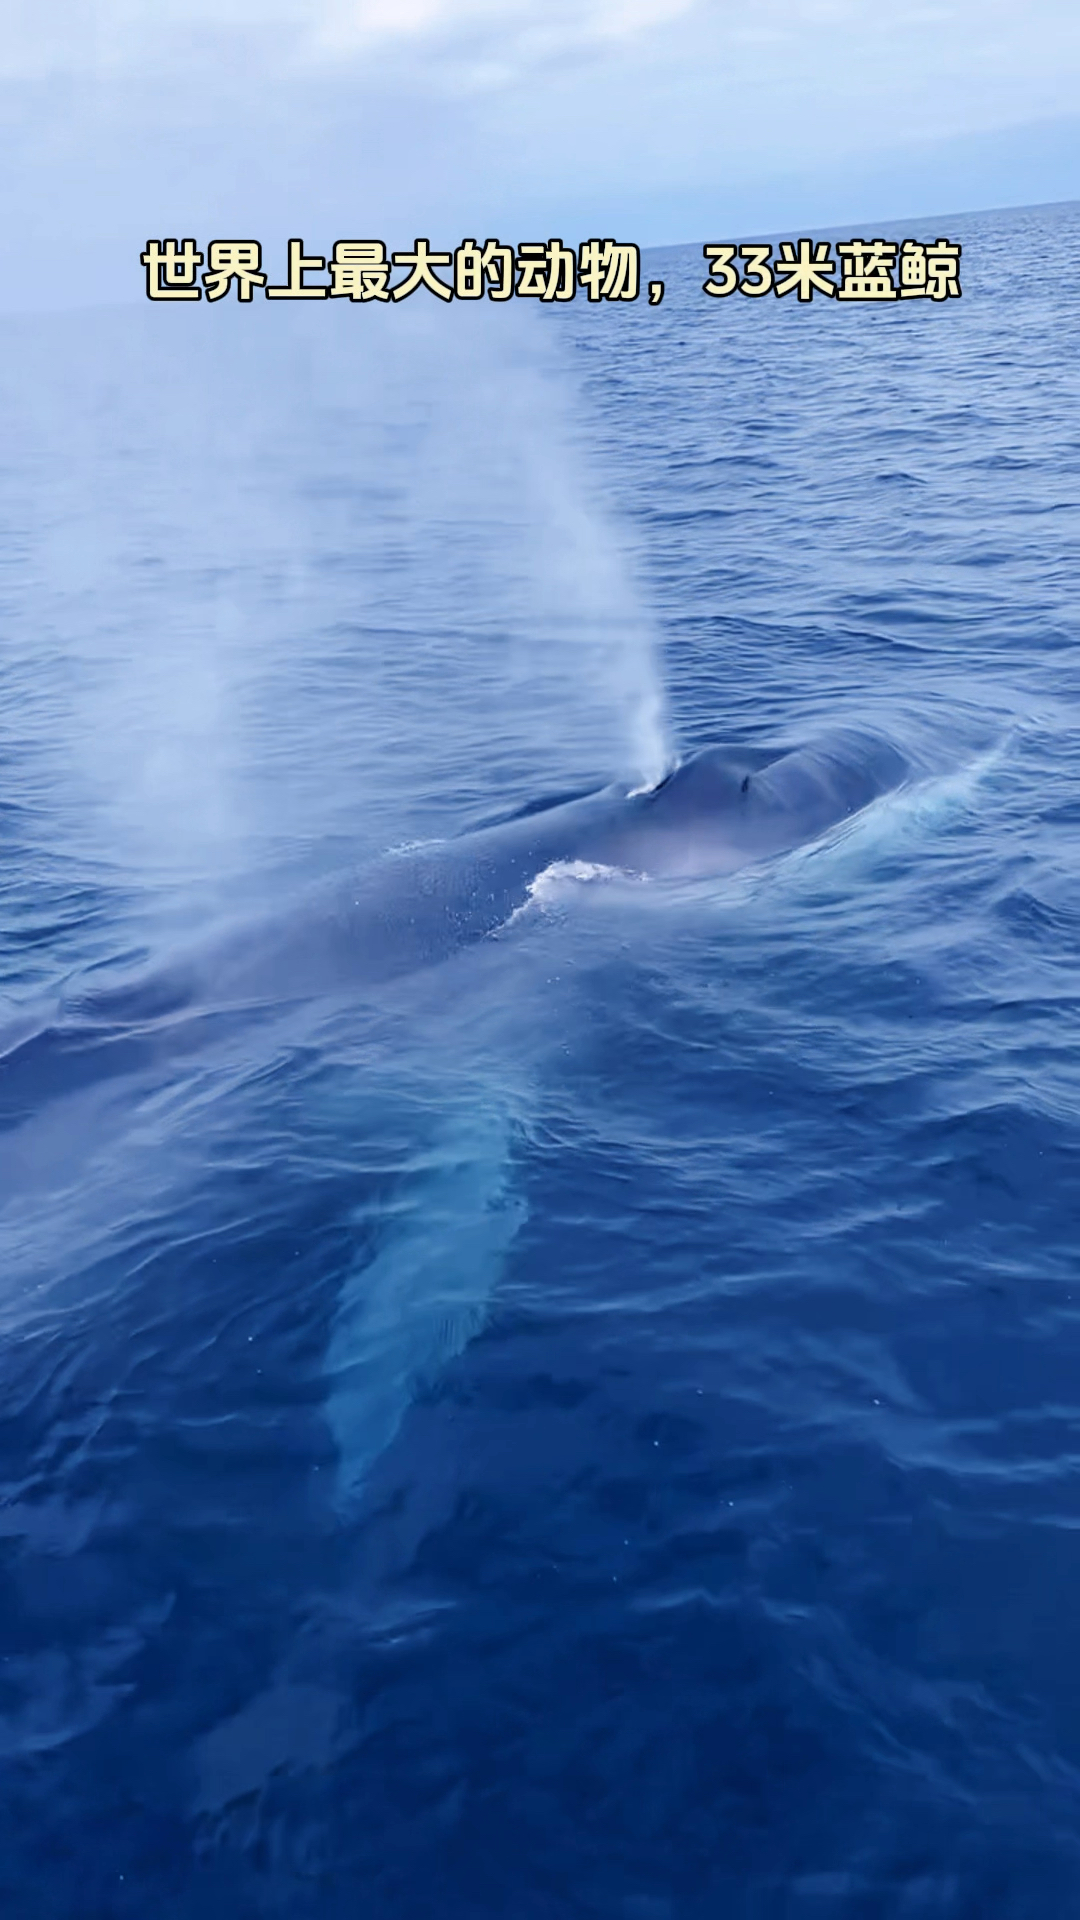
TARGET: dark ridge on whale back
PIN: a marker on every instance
(747, 760)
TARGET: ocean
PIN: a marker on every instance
(589, 1428)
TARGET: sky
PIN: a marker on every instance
(658, 121)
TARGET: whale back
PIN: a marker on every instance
(719, 810)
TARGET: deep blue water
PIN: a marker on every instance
(594, 1429)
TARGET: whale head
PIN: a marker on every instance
(724, 807)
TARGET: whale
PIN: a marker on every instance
(715, 811)
(423, 1269)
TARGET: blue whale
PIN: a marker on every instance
(715, 812)
(417, 1291)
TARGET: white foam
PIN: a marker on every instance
(556, 881)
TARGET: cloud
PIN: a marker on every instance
(347, 25)
(925, 68)
(113, 37)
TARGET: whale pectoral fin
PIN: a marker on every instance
(404, 1315)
